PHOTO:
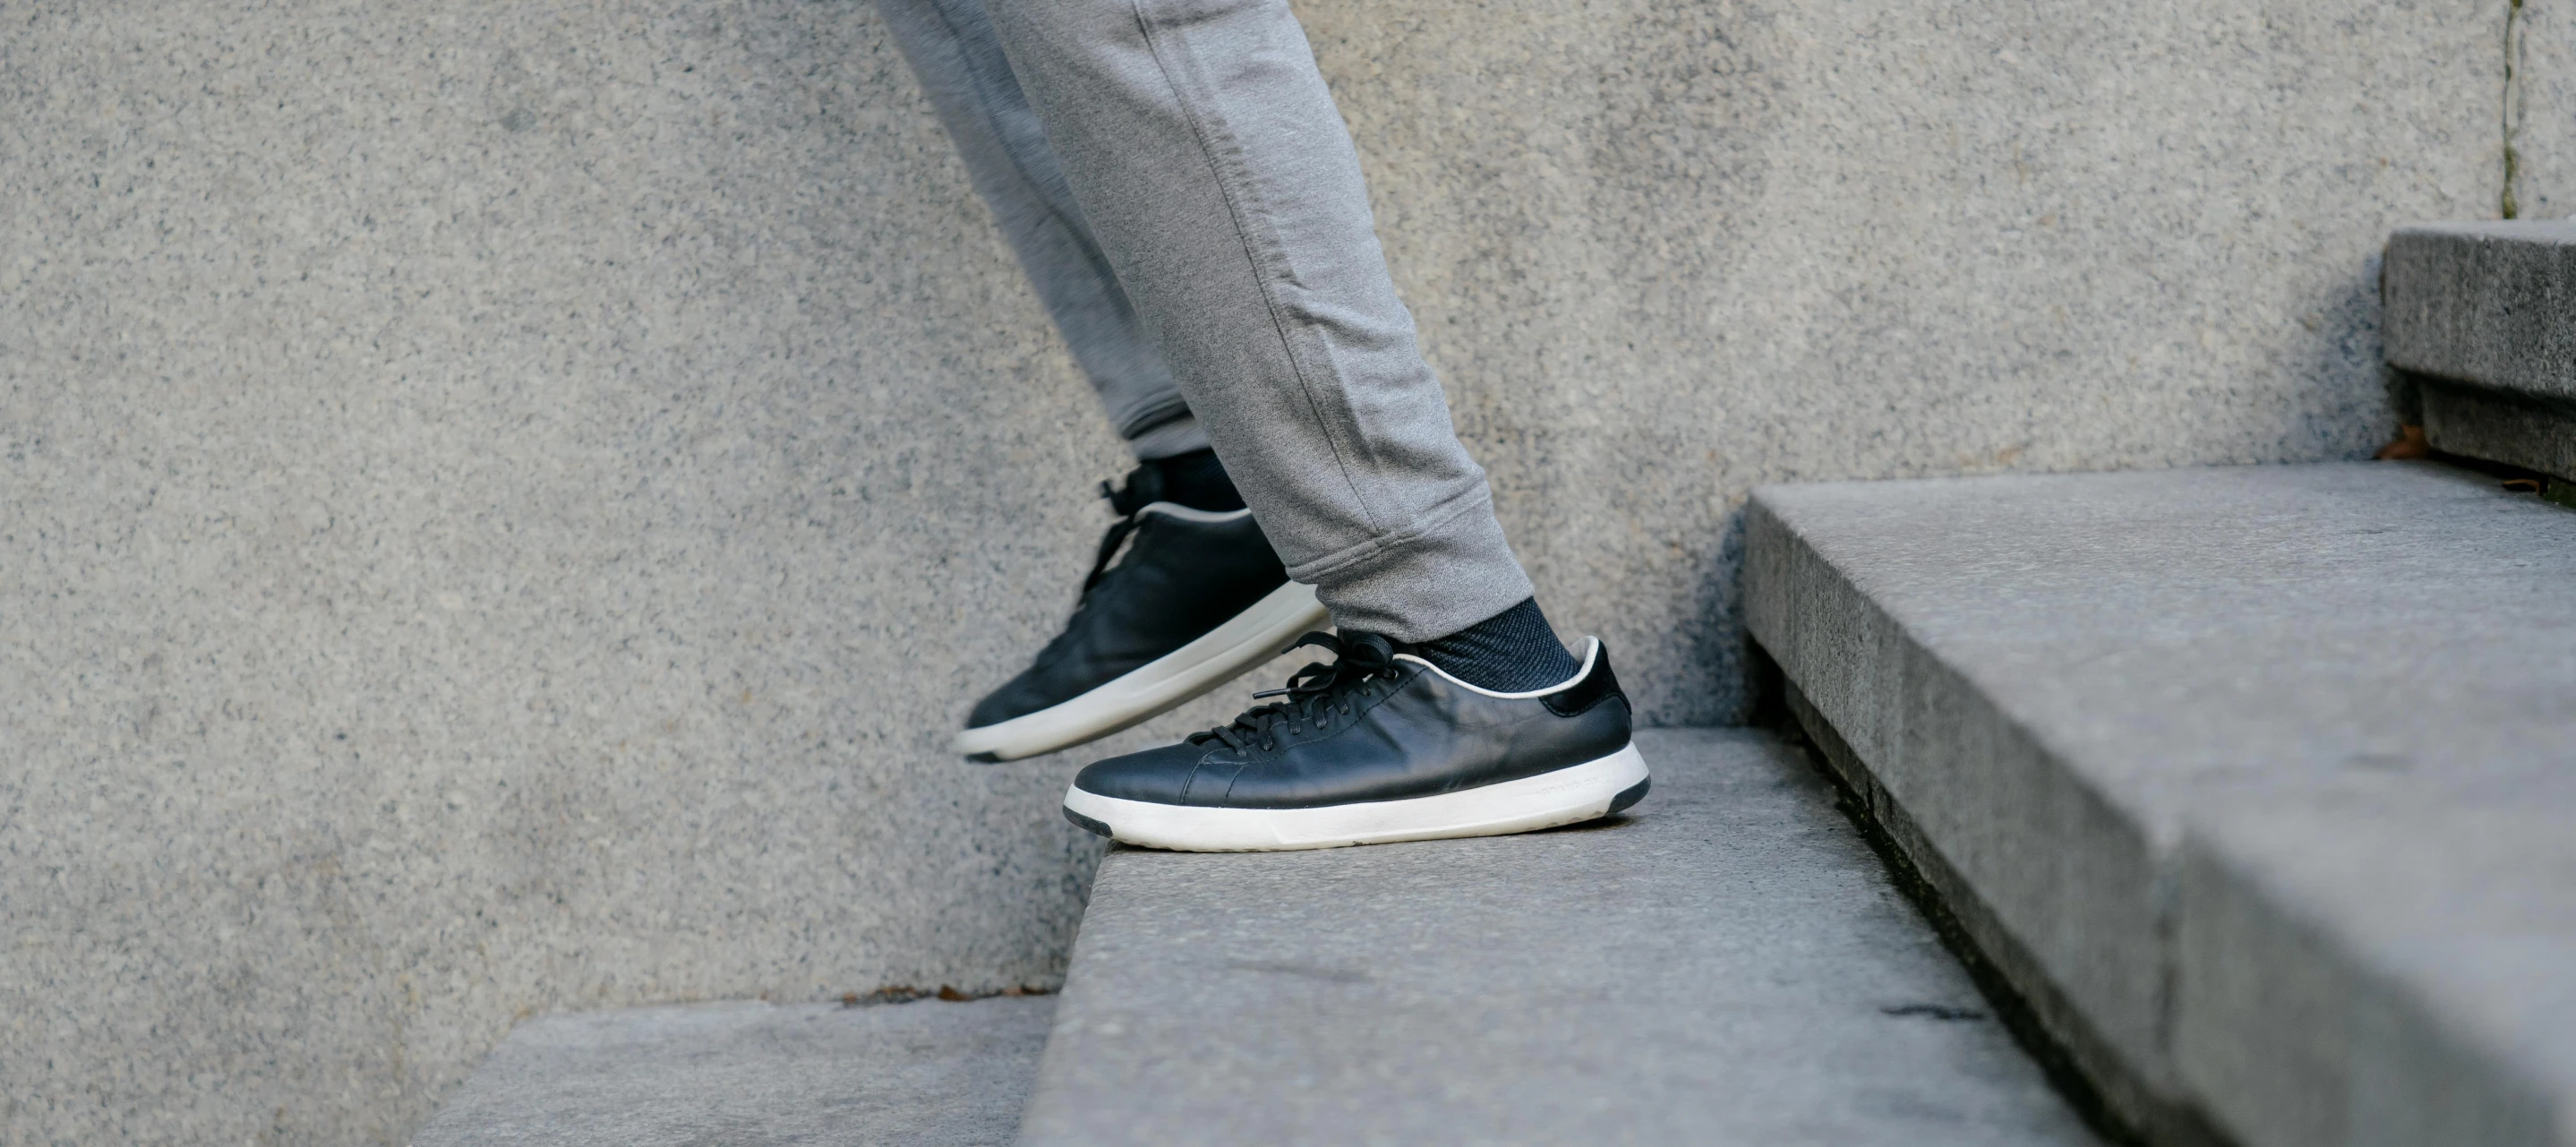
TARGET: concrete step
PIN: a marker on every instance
(1728, 964)
(2488, 312)
(2260, 783)
(753, 1074)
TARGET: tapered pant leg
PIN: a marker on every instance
(1223, 189)
(951, 47)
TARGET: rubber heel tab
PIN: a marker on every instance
(1597, 686)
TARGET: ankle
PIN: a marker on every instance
(1514, 651)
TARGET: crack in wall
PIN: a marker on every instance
(2508, 202)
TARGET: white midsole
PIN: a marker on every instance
(1566, 796)
(1247, 639)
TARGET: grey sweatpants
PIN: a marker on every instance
(1184, 197)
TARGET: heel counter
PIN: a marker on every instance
(1596, 687)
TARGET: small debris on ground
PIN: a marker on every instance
(2409, 444)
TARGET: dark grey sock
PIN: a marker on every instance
(1198, 481)
(1195, 480)
(1511, 652)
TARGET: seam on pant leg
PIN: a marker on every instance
(1200, 130)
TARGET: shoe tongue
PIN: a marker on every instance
(1143, 487)
(1196, 480)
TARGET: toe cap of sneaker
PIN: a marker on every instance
(1018, 697)
(1174, 774)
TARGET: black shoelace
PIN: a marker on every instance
(1315, 694)
(1126, 500)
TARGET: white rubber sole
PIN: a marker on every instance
(1569, 795)
(1249, 638)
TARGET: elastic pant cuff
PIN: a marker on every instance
(1432, 581)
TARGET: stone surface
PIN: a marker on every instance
(2487, 303)
(2490, 310)
(752, 1074)
(2388, 958)
(503, 501)
(1726, 965)
(2263, 766)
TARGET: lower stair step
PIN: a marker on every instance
(933, 1072)
(1727, 964)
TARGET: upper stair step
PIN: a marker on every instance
(2260, 781)
(2489, 311)
(1728, 964)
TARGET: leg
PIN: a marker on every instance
(1208, 155)
(1215, 171)
(1195, 595)
(951, 47)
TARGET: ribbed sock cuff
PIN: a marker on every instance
(1178, 436)
(1514, 651)
(1196, 480)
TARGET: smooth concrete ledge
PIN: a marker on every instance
(1728, 964)
(2252, 780)
(2488, 312)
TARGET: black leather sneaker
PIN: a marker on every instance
(1379, 746)
(1179, 601)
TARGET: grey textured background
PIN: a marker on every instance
(2540, 109)
(500, 503)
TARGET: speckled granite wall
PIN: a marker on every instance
(500, 503)
(2539, 112)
